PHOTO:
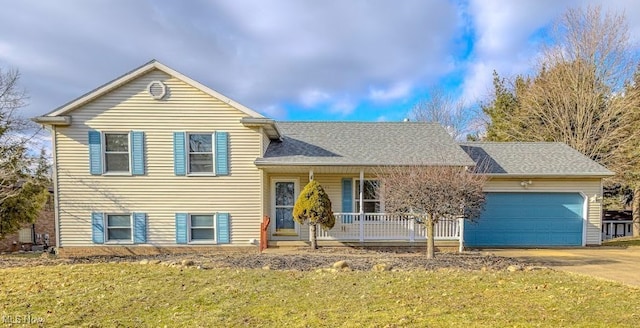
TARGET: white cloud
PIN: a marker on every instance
(505, 34)
(343, 107)
(313, 97)
(302, 53)
(260, 53)
(275, 112)
(397, 91)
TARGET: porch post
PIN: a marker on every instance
(610, 229)
(361, 201)
(461, 234)
(310, 175)
(412, 230)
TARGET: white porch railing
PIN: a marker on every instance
(615, 228)
(382, 226)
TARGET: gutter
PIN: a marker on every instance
(270, 127)
(53, 120)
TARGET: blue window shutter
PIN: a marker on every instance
(137, 152)
(222, 153)
(97, 227)
(139, 228)
(181, 228)
(222, 228)
(179, 154)
(95, 153)
(347, 200)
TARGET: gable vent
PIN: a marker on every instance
(157, 89)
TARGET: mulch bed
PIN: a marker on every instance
(302, 259)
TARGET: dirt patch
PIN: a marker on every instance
(297, 259)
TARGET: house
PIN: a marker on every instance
(38, 235)
(155, 161)
(616, 224)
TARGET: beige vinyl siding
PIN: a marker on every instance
(265, 143)
(159, 193)
(588, 187)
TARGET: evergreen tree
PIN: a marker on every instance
(314, 205)
(23, 177)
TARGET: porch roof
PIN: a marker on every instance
(363, 144)
(532, 159)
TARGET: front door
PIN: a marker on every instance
(284, 192)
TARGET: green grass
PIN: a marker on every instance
(625, 241)
(126, 294)
(21, 255)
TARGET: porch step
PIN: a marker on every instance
(287, 243)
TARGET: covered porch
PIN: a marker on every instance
(359, 211)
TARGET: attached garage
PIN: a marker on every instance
(528, 219)
(539, 194)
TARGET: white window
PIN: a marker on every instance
(116, 152)
(371, 200)
(118, 228)
(202, 228)
(201, 149)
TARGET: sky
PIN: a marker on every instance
(356, 60)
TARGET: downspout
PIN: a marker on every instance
(56, 195)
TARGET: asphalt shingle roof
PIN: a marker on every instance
(364, 143)
(532, 158)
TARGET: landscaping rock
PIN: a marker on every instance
(514, 268)
(340, 265)
(145, 261)
(266, 267)
(381, 267)
(187, 263)
(357, 259)
(535, 268)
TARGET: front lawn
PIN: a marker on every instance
(134, 295)
(625, 241)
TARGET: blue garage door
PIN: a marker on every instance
(528, 219)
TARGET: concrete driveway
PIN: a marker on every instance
(610, 263)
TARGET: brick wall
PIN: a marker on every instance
(44, 225)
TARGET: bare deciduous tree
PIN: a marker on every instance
(442, 108)
(580, 93)
(576, 96)
(432, 193)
